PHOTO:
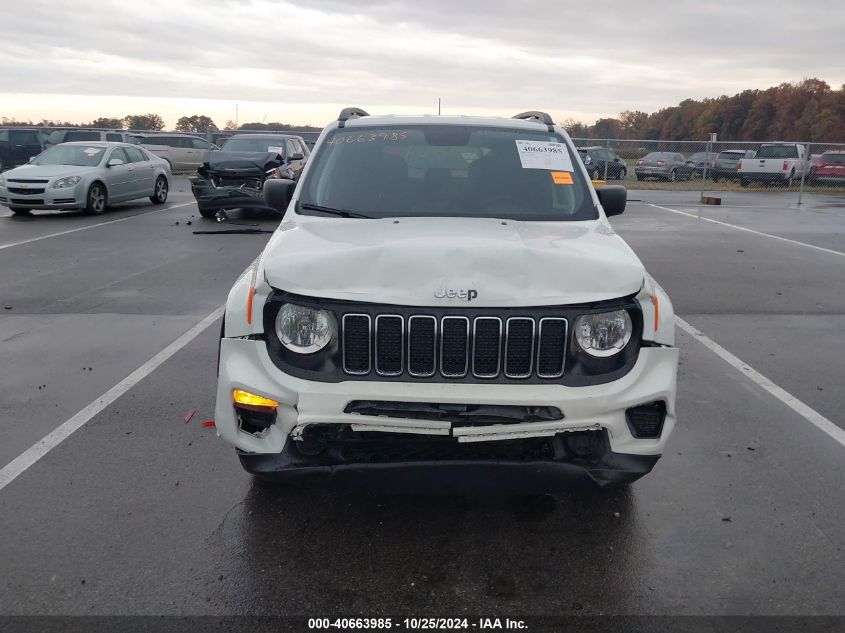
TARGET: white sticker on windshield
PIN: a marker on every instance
(278, 150)
(544, 155)
(93, 151)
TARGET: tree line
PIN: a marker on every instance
(806, 111)
(197, 123)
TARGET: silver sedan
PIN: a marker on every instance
(85, 175)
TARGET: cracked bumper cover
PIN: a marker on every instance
(245, 364)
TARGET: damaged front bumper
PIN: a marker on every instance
(591, 438)
(211, 197)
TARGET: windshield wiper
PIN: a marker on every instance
(340, 212)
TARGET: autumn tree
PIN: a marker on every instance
(195, 123)
(107, 122)
(148, 121)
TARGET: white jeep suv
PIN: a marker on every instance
(445, 303)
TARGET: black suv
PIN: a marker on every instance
(18, 145)
(595, 159)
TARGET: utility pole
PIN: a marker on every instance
(236, 116)
(438, 106)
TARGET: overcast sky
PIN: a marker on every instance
(300, 63)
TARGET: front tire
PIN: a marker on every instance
(622, 173)
(160, 192)
(744, 182)
(208, 213)
(673, 176)
(97, 199)
(594, 175)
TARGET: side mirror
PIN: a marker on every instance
(296, 157)
(278, 193)
(612, 198)
(114, 162)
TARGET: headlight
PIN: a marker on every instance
(603, 334)
(304, 330)
(63, 183)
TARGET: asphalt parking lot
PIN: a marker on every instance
(138, 512)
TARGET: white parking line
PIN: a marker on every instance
(806, 412)
(742, 228)
(38, 450)
(92, 226)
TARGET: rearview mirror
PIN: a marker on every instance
(278, 193)
(612, 198)
(114, 162)
(296, 157)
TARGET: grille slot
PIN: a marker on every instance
(551, 347)
(519, 347)
(356, 343)
(389, 344)
(422, 346)
(454, 346)
(486, 347)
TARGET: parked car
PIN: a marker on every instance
(83, 175)
(725, 167)
(698, 161)
(830, 168)
(446, 302)
(184, 152)
(775, 163)
(83, 134)
(233, 178)
(18, 145)
(596, 158)
(669, 166)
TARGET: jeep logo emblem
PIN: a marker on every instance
(465, 294)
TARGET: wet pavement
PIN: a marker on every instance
(140, 513)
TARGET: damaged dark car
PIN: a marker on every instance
(234, 177)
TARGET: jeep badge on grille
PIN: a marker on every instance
(466, 294)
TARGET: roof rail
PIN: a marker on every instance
(540, 117)
(350, 113)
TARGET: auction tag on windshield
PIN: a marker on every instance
(278, 150)
(544, 155)
(92, 151)
(561, 178)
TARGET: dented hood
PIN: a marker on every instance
(415, 261)
(242, 161)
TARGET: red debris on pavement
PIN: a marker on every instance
(187, 417)
(208, 423)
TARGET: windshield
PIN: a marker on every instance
(255, 145)
(778, 151)
(447, 170)
(80, 155)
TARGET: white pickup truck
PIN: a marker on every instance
(775, 163)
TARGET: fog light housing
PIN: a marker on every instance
(645, 421)
(253, 402)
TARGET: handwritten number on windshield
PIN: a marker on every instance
(368, 137)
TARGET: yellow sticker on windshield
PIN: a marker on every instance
(561, 177)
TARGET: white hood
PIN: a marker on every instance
(410, 261)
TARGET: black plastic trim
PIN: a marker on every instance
(326, 365)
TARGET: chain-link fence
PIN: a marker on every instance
(716, 165)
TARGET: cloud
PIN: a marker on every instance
(566, 57)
